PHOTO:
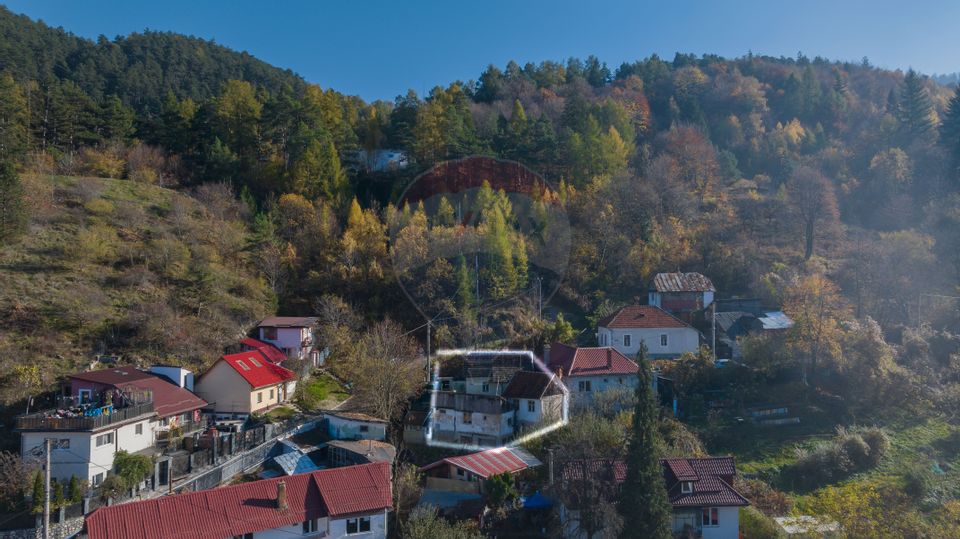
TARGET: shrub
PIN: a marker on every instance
(879, 443)
(918, 481)
(113, 486)
(104, 161)
(857, 451)
(765, 498)
(132, 469)
(754, 524)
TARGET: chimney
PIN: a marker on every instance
(282, 504)
(609, 358)
(546, 355)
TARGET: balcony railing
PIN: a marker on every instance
(52, 420)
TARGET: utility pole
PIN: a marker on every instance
(540, 294)
(46, 490)
(713, 346)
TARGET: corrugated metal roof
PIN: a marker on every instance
(492, 461)
(682, 282)
(296, 463)
(257, 370)
(288, 322)
(775, 320)
(248, 507)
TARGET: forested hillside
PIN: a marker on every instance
(159, 193)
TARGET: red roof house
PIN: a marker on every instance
(246, 382)
(351, 498)
(483, 464)
(664, 335)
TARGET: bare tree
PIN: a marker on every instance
(387, 369)
(813, 198)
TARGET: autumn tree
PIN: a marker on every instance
(814, 304)
(812, 196)
(386, 370)
(13, 119)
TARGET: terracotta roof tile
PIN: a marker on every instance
(641, 317)
(589, 361)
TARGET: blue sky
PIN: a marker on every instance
(379, 49)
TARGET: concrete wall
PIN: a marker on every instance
(546, 409)
(679, 341)
(597, 384)
(350, 429)
(498, 426)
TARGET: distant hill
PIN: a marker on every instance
(140, 68)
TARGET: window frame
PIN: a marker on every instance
(663, 340)
(138, 429)
(710, 517)
(259, 397)
(531, 406)
(627, 340)
(358, 524)
(686, 487)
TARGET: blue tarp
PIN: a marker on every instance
(537, 501)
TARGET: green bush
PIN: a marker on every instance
(879, 443)
(756, 525)
(132, 469)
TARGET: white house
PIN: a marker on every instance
(352, 501)
(681, 294)
(588, 371)
(355, 426)
(538, 398)
(110, 410)
(700, 492)
(666, 336)
(479, 420)
(293, 335)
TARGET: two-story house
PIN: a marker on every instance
(240, 384)
(681, 294)
(665, 335)
(588, 371)
(538, 398)
(700, 492)
(105, 411)
(352, 501)
(475, 420)
(293, 335)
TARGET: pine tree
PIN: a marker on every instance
(643, 500)
(950, 131)
(13, 217)
(445, 215)
(916, 115)
(37, 494)
(13, 118)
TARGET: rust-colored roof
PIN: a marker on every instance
(682, 282)
(641, 317)
(113, 376)
(168, 399)
(491, 462)
(532, 385)
(248, 507)
(589, 361)
(288, 322)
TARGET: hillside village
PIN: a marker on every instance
(134, 436)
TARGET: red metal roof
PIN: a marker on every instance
(491, 462)
(256, 370)
(589, 361)
(270, 351)
(248, 507)
(641, 317)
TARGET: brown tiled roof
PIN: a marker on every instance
(682, 282)
(113, 376)
(641, 317)
(168, 398)
(589, 361)
(532, 385)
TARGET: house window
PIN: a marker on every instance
(364, 428)
(531, 406)
(686, 487)
(663, 339)
(86, 395)
(358, 525)
(584, 385)
(97, 479)
(467, 418)
(139, 428)
(459, 472)
(259, 396)
(62, 443)
(270, 334)
(243, 365)
(620, 381)
(626, 340)
(271, 394)
(485, 388)
(711, 516)
(310, 526)
(105, 439)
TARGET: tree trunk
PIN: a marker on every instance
(809, 237)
